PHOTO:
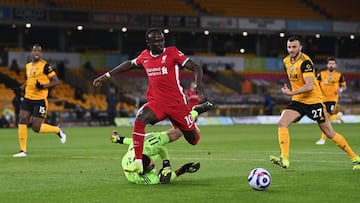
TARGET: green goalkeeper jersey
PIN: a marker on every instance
(153, 147)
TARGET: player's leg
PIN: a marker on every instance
(38, 125)
(204, 107)
(337, 116)
(186, 124)
(24, 116)
(330, 107)
(288, 116)
(323, 137)
(174, 134)
(341, 142)
(144, 116)
(185, 120)
(192, 136)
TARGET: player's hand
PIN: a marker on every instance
(165, 172)
(113, 138)
(116, 137)
(285, 90)
(39, 86)
(99, 80)
(188, 168)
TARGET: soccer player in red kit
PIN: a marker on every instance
(165, 96)
(192, 96)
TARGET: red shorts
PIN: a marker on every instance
(179, 115)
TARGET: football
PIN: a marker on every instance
(259, 179)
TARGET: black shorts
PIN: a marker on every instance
(37, 108)
(315, 112)
(330, 107)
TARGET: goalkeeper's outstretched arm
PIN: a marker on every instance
(117, 138)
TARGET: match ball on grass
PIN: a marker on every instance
(259, 179)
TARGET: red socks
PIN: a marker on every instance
(138, 138)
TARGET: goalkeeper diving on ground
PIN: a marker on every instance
(153, 149)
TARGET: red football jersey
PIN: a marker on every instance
(163, 74)
(193, 98)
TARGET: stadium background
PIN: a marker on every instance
(235, 41)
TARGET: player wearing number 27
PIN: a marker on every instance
(306, 99)
(39, 78)
(165, 96)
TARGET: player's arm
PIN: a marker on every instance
(120, 139)
(342, 84)
(308, 86)
(54, 80)
(163, 153)
(174, 134)
(198, 73)
(165, 173)
(123, 67)
(308, 75)
(22, 87)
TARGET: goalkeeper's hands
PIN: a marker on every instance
(116, 138)
(165, 172)
(39, 85)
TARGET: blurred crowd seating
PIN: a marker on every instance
(260, 8)
(23, 3)
(62, 96)
(340, 10)
(313, 9)
(231, 102)
(132, 90)
(135, 6)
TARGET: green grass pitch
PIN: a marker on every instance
(87, 168)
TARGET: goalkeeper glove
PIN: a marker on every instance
(188, 168)
(116, 138)
(39, 86)
(165, 172)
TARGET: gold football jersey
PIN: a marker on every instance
(40, 71)
(296, 71)
(330, 83)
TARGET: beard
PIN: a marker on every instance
(295, 55)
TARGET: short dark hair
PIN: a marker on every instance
(146, 163)
(294, 38)
(331, 58)
(36, 45)
(151, 30)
